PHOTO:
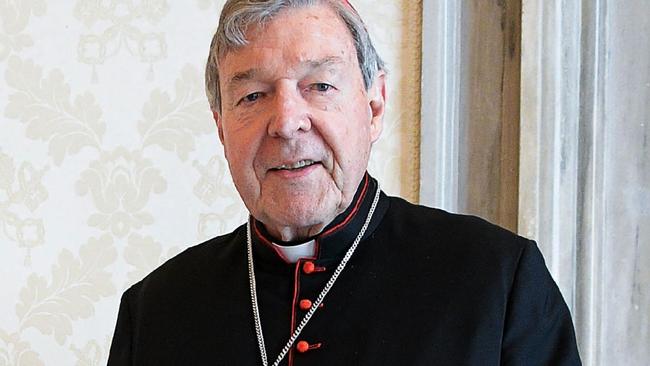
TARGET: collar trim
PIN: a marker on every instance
(269, 244)
(360, 197)
(353, 213)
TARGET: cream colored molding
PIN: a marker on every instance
(412, 72)
(470, 79)
(440, 103)
(550, 110)
(584, 174)
(552, 175)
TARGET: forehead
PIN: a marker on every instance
(292, 38)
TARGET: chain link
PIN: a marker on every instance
(319, 299)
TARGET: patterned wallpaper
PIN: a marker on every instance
(110, 163)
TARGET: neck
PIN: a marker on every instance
(279, 233)
(288, 234)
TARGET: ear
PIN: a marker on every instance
(377, 96)
(217, 119)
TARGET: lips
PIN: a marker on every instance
(295, 165)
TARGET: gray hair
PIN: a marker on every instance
(238, 15)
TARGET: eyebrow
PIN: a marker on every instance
(243, 76)
(327, 61)
(249, 74)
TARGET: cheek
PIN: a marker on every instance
(348, 136)
(358, 133)
(241, 148)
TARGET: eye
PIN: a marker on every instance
(250, 98)
(321, 87)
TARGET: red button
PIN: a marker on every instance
(308, 267)
(305, 304)
(302, 346)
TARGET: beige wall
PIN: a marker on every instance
(109, 161)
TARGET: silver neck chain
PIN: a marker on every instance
(315, 304)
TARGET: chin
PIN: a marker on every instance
(300, 215)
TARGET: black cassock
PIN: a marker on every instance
(424, 287)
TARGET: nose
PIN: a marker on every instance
(290, 114)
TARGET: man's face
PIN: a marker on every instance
(296, 121)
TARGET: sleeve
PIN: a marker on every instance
(538, 325)
(120, 353)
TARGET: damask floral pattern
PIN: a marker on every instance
(144, 255)
(87, 190)
(76, 283)
(172, 124)
(14, 351)
(51, 306)
(215, 188)
(44, 103)
(92, 353)
(121, 33)
(205, 4)
(213, 181)
(120, 184)
(14, 19)
(21, 187)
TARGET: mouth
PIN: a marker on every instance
(302, 164)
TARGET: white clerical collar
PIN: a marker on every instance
(294, 252)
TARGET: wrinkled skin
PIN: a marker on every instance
(296, 93)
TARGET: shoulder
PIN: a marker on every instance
(472, 252)
(440, 229)
(465, 249)
(194, 265)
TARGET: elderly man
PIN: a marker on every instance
(329, 270)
